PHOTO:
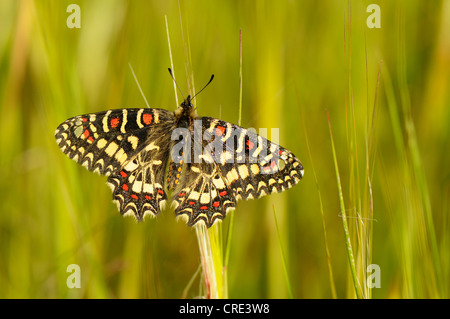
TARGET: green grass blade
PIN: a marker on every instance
(351, 258)
(171, 61)
(414, 152)
(283, 256)
(322, 215)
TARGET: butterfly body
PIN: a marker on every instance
(201, 165)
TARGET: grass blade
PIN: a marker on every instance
(351, 258)
(283, 256)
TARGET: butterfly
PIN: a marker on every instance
(200, 165)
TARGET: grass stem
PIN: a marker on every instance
(351, 258)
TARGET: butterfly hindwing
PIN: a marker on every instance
(138, 187)
(203, 195)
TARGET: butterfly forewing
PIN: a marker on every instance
(105, 141)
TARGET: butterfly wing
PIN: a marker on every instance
(203, 195)
(123, 144)
(234, 163)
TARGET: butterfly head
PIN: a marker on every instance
(187, 103)
(186, 111)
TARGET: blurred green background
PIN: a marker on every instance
(300, 59)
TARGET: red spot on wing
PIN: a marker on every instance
(191, 203)
(84, 119)
(223, 193)
(220, 130)
(147, 119)
(181, 194)
(86, 133)
(91, 139)
(134, 196)
(203, 207)
(114, 122)
(216, 204)
(147, 197)
(125, 187)
(280, 152)
(160, 191)
(123, 174)
(250, 145)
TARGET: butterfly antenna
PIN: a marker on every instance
(173, 78)
(210, 80)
